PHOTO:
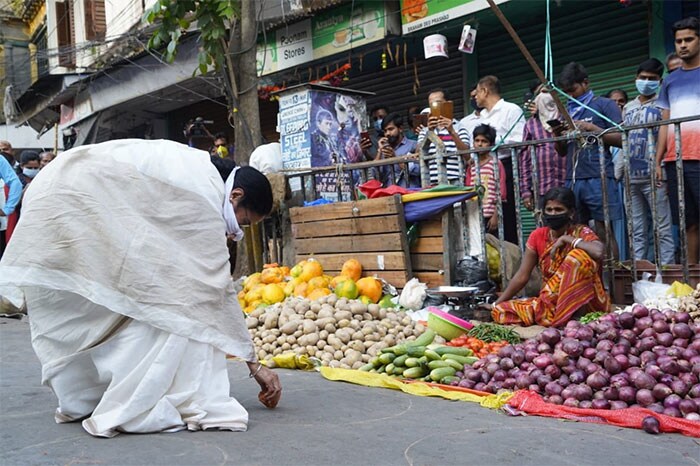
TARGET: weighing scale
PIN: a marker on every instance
(462, 300)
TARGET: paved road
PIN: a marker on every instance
(318, 423)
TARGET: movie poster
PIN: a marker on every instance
(321, 128)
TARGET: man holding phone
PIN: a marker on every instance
(442, 123)
(551, 168)
(394, 143)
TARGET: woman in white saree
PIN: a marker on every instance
(131, 306)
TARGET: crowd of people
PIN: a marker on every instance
(662, 94)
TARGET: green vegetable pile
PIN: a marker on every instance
(591, 316)
(489, 332)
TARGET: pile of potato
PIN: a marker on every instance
(339, 332)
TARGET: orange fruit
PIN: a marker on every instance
(318, 282)
(352, 268)
(251, 281)
(311, 269)
(318, 293)
(370, 287)
(273, 293)
(347, 289)
(297, 269)
(365, 299)
(301, 290)
(336, 280)
(272, 275)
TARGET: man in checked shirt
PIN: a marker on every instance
(551, 167)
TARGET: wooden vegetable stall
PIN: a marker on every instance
(373, 231)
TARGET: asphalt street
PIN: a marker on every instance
(318, 422)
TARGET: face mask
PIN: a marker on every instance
(474, 105)
(556, 222)
(30, 172)
(647, 87)
(378, 124)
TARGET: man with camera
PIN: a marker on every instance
(394, 143)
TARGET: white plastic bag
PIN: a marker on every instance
(413, 294)
(646, 290)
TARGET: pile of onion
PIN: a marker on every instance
(643, 358)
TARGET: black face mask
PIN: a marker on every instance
(474, 105)
(556, 222)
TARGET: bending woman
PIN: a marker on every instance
(131, 305)
(569, 257)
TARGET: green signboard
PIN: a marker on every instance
(420, 14)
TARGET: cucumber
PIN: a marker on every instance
(438, 374)
(375, 361)
(458, 358)
(400, 350)
(423, 360)
(454, 364)
(400, 360)
(387, 350)
(367, 367)
(389, 369)
(449, 379)
(415, 351)
(431, 355)
(438, 363)
(424, 339)
(458, 350)
(413, 373)
(411, 362)
(386, 358)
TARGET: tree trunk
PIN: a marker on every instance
(247, 118)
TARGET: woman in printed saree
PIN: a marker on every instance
(569, 257)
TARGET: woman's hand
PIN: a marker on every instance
(269, 383)
(493, 223)
(561, 242)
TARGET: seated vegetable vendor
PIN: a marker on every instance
(569, 257)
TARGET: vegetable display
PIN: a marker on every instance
(489, 333)
(339, 332)
(646, 358)
(480, 348)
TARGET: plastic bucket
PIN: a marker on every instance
(435, 45)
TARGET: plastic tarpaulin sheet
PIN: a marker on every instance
(370, 379)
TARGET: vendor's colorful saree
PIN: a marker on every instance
(571, 281)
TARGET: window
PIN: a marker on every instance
(65, 30)
(95, 21)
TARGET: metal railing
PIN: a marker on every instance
(350, 175)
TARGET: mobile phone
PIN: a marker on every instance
(419, 119)
(435, 109)
(554, 123)
(364, 135)
(447, 109)
(527, 98)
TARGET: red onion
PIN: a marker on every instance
(571, 402)
(619, 380)
(642, 380)
(584, 333)
(623, 361)
(543, 380)
(654, 371)
(681, 330)
(523, 381)
(585, 404)
(627, 394)
(530, 355)
(493, 358)
(689, 378)
(553, 388)
(592, 368)
(552, 371)
(596, 381)
(669, 366)
(679, 388)
(646, 357)
(612, 365)
(560, 358)
(485, 376)
(583, 392)
(640, 310)
(611, 393)
(491, 368)
(572, 347)
(680, 342)
(672, 401)
(499, 376)
(661, 391)
(626, 320)
(604, 345)
(674, 352)
(694, 391)
(589, 353)
(507, 364)
(620, 348)
(577, 377)
(555, 399)
(464, 383)
(601, 404)
(656, 407)
(542, 361)
(582, 363)
(682, 317)
(617, 404)
(692, 417)
(574, 324)
(506, 352)
(665, 339)
(479, 364)
(534, 387)
(550, 336)
(646, 344)
(660, 326)
(628, 335)
(643, 324)
(599, 395)
(634, 360)
(673, 412)
(687, 406)
(535, 372)
(564, 380)
(649, 332)
(651, 425)
(568, 392)
(544, 348)
(644, 397)
(601, 356)
(518, 357)
(480, 386)
(569, 368)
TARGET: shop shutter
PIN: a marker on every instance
(608, 39)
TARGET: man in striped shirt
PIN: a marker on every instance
(551, 167)
(454, 139)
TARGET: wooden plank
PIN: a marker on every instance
(370, 261)
(397, 278)
(432, 279)
(427, 245)
(432, 227)
(346, 227)
(338, 210)
(426, 262)
(353, 244)
(449, 245)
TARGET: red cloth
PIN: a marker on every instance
(532, 403)
(373, 189)
(11, 219)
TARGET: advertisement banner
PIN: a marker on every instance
(421, 14)
(320, 128)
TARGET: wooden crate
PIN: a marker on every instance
(372, 231)
(432, 255)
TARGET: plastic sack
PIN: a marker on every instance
(645, 290)
(470, 270)
(291, 360)
(679, 290)
(413, 294)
